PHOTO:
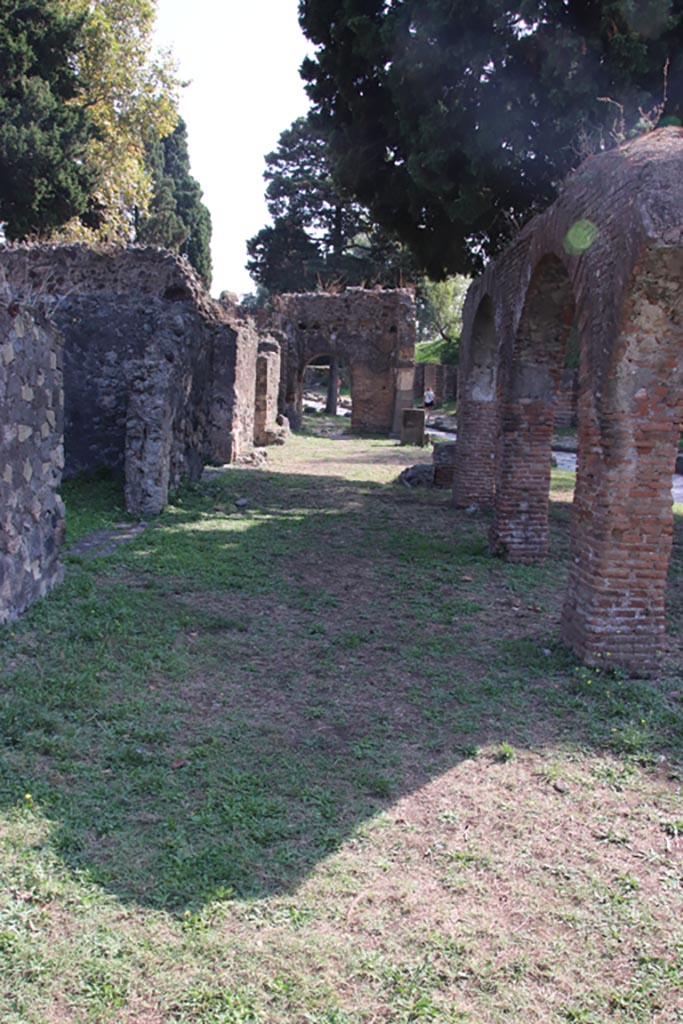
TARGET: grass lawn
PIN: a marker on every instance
(319, 759)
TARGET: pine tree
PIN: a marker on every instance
(454, 120)
(319, 234)
(44, 129)
(177, 219)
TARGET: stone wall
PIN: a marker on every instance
(158, 378)
(31, 456)
(232, 392)
(607, 259)
(268, 365)
(371, 332)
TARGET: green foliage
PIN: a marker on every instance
(439, 319)
(44, 127)
(177, 219)
(131, 93)
(319, 234)
(453, 122)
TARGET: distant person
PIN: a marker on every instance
(429, 398)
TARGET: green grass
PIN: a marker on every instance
(322, 759)
(94, 503)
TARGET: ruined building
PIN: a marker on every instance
(130, 366)
(158, 378)
(372, 332)
(607, 256)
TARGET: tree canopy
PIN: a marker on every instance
(45, 131)
(439, 318)
(177, 218)
(454, 120)
(319, 234)
(89, 129)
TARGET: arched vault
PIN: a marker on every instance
(606, 258)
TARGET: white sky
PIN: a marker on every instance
(243, 58)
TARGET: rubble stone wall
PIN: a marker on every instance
(372, 332)
(31, 457)
(607, 256)
(232, 391)
(267, 390)
(143, 346)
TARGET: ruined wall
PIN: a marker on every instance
(31, 457)
(233, 387)
(143, 345)
(372, 332)
(605, 259)
(268, 366)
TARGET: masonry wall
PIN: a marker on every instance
(31, 457)
(372, 332)
(143, 346)
(233, 385)
(567, 401)
(268, 366)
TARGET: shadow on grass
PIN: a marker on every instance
(220, 704)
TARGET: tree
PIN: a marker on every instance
(177, 217)
(439, 318)
(131, 93)
(454, 120)
(44, 128)
(319, 234)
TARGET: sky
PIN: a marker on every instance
(242, 59)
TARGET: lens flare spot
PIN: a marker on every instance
(580, 237)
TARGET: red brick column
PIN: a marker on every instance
(474, 473)
(621, 543)
(474, 469)
(529, 390)
(520, 530)
(373, 396)
(622, 522)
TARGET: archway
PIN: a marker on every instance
(630, 416)
(327, 383)
(529, 387)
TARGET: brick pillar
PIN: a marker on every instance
(520, 530)
(474, 477)
(419, 382)
(373, 398)
(621, 543)
(474, 472)
(531, 384)
(267, 387)
(622, 524)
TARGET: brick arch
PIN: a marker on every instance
(529, 385)
(616, 238)
(622, 521)
(474, 477)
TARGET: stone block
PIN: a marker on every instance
(413, 427)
